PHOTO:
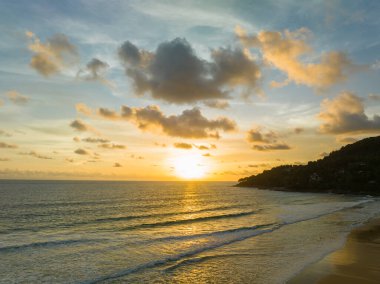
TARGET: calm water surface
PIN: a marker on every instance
(166, 232)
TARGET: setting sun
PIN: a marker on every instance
(189, 166)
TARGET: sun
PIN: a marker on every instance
(190, 166)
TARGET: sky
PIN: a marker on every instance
(174, 90)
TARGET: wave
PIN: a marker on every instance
(117, 218)
(187, 221)
(177, 257)
(202, 259)
(205, 235)
(182, 257)
(47, 244)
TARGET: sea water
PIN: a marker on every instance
(167, 232)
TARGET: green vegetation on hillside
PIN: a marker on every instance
(355, 169)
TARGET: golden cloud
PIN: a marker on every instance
(51, 57)
(181, 145)
(284, 50)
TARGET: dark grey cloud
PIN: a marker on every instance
(175, 73)
(94, 71)
(265, 141)
(106, 113)
(345, 114)
(256, 136)
(80, 125)
(270, 147)
(189, 124)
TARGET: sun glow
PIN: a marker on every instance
(190, 166)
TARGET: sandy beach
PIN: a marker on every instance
(357, 262)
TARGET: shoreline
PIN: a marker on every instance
(358, 261)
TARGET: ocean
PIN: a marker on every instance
(167, 232)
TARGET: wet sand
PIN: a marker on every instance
(357, 262)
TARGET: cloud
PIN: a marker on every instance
(256, 136)
(95, 140)
(284, 51)
(109, 114)
(4, 160)
(80, 125)
(267, 141)
(4, 133)
(206, 155)
(183, 146)
(258, 165)
(174, 72)
(345, 114)
(76, 139)
(160, 144)
(1, 103)
(137, 157)
(35, 155)
(83, 108)
(298, 130)
(8, 146)
(117, 165)
(81, 151)
(95, 71)
(219, 104)
(111, 146)
(376, 65)
(323, 154)
(271, 147)
(204, 147)
(374, 97)
(69, 160)
(189, 124)
(53, 56)
(347, 140)
(17, 98)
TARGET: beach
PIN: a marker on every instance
(356, 262)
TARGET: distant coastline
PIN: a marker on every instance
(354, 169)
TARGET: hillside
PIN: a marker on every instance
(354, 169)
